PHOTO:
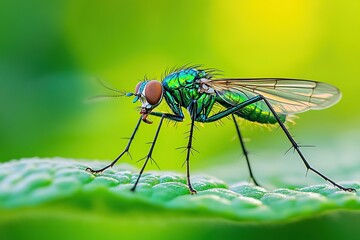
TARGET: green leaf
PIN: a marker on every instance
(38, 185)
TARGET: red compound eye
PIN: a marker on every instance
(137, 87)
(153, 92)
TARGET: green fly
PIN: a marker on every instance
(261, 100)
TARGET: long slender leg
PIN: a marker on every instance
(121, 154)
(244, 151)
(149, 155)
(294, 144)
(296, 147)
(189, 147)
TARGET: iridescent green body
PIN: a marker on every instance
(184, 86)
(262, 100)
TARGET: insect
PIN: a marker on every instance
(261, 100)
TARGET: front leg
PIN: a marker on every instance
(149, 155)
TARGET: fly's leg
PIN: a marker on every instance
(189, 147)
(296, 147)
(236, 108)
(244, 151)
(171, 117)
(149, 155)
(116, 159)
(179, 118)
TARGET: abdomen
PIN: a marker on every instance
(256, 112)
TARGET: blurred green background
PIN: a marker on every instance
(51, 50)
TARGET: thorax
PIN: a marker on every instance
(182, 87)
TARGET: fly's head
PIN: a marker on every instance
(150, 94)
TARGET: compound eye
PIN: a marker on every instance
(153, 92)
(137, 87)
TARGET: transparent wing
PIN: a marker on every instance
(287, 96)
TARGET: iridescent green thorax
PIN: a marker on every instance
(181, 88)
